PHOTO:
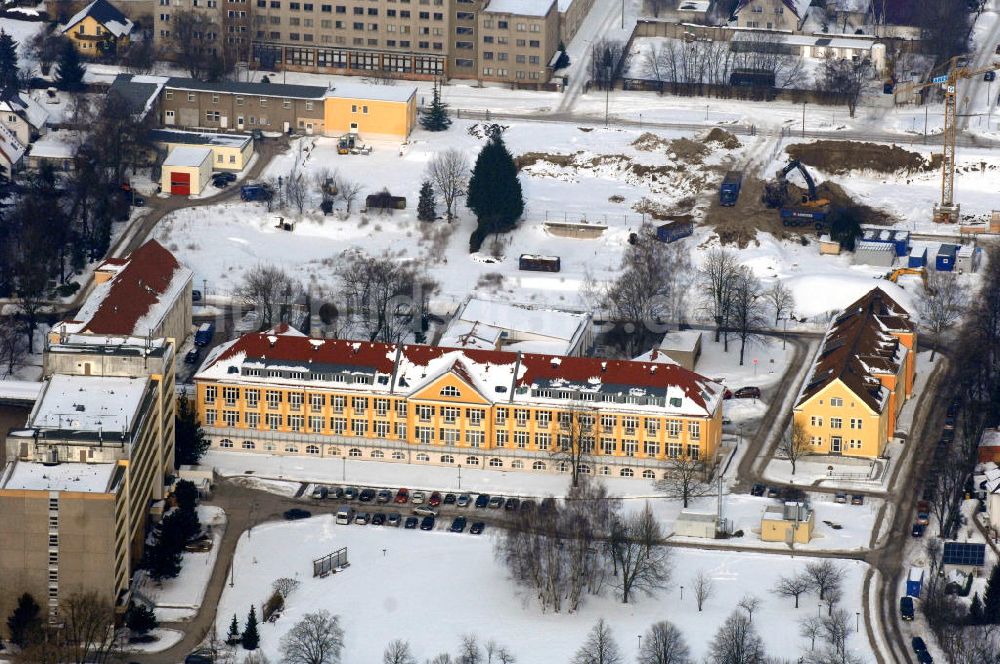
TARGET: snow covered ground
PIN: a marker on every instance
(164, 639)
(431, 588)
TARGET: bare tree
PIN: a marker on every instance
(449, 171)
(316, 639)
(749, 603)
(823, 575)
(703, 587)
(717, 281)
(656, 6)
(793, 586)
(684, 478)
(606, 58)
(13, 347)
(947, 486)
(846, 79)
(736, 642)
(832, 598)
(88, 627)
(599, 648)
(747, 315)
(795, 445)
(781, 300)
(579, 430)
(196, 45)
(398, 652)
(296, 189)
(663, 643)
(348, 191)
(834, 630)
(443, 658)
(643, 564)
(269, 290)
(941, 305)
(469, 651)
(810, 627)
(255, 657)
(285, 586)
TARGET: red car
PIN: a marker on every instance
(435, 499)
(402, 496)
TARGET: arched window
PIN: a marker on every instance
(398, 456)
(354, 452)
(450, 391)
(225, 443)
(626, 472)
(496, 463)
(538, 465)
(312, 449)
(447, 458)
(423, 457)
(583, 469)
(517, 464)
(472, 461)
(248, 445)
(291, 449)
(649, 475)
(269, 447)
(377, 454)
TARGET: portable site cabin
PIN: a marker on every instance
(898, 238)
(693, 524)
(874, 253)
(914, 581)
(967, 259)
(918, 258)
(946, 257)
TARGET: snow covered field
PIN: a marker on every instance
(431, 588)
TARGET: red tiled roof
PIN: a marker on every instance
(137, 287)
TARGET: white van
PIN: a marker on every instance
(345, 515)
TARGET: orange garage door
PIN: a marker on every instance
(180, 183)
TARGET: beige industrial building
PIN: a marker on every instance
(510, 41)
(187, 170)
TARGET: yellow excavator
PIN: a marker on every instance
(900, 271)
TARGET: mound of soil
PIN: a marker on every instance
(723, 138)
(840, 157)
(648, 142)
(690, 151)
(532, 158)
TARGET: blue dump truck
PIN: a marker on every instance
(255, 192)
(729, 190)
(203, 336)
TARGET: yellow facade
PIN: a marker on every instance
(774, 528)
(444, 418)
(836, 421)
(370, 117)
(88, 33)
(224, 157)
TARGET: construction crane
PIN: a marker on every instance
(947, 211)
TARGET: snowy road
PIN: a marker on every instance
(986, 44)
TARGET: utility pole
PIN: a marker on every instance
(803, 119)
(926, 108)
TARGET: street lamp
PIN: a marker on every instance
(459, 477)
(682, 592)
(640, 643)
(741, 435)
(857, 621)
(784, 330)
(343, 458)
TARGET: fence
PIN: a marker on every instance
(330, 563)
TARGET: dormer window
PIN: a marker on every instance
(450, 391)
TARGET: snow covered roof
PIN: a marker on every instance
(274, 358)
(89, 403)
(400, 93)
(104, 13)
(848, 5)
(196, 138)
(249, 89)
(188, 156)
(520, 7)
(12, 101)
(990, 438)
(78, 477)
(140, 92)
(142, 290)
(857, 42)
(11, 149)
(797, 7)
(59, 144)
(484, 323)
(20, 390)
(682, 340)
(858, 346)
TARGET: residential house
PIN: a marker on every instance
(22, 115)
(282, 393)
(771, 14)
(860, 378)
(12, 153)
(98, 28)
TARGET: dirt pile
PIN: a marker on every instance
(532, 158)
(648, 142)
(841, 157)
(690, 151)
(723, 138)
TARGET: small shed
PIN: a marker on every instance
(791, 523)
(828, 246)
(535, 263)
(918, 258)
(874, 253)
(964, 557)
(898, 238)
(683, 347)
(915, 581)
(946, 257)
(967, 259)
(186, 170)
(694, 524)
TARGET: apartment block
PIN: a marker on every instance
(518, 40)
(282, 393)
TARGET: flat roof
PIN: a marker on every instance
(520, 7)
(681, 340)
(20, 390)
(89, 403)
(80, 477)
(400, 93)
(188, 155)
(248, 89)
(58, 144)
(196, 138)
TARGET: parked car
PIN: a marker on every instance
(918, 645)
(449, 499)
(477, 528)
(435, 499)
(384, 496)
(402, 496)
(418, 498)
(463, 500)
(350, 493)
(366, 495)
(228, 176)
(196, 296)
(482, 500)
(378, 519)
(202, 656)
(727, 394)
(336, 492)
(458, 524)
(320, 492)
(773, 492)
(219, 182)
(758, 490)
(203, 336)
(411, 522)
(496, 502)
(906, 608)
(424, 510)
(511, 504)
(857, 499)
(427, 523)
(192, 356)
(362, 518)
(925, 657)
(924, 518)
(295, 513)
(393, 519)
(345, 515)
(527, 505)
(138, 201)
(840, 497)
(749, 392)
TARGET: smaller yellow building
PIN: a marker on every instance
(186, 170)
(377, 111)
(792, 523)
(98, 28)
(230, 152)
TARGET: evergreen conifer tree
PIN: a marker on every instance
(190, 442)
(494, 191)
(991, 598)
(436, 118)
(251, 638)
(233, 635)
(140, 619)
(69, 70)
(976, 611)
(23, 620)
(8, 62)
(426, 204)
